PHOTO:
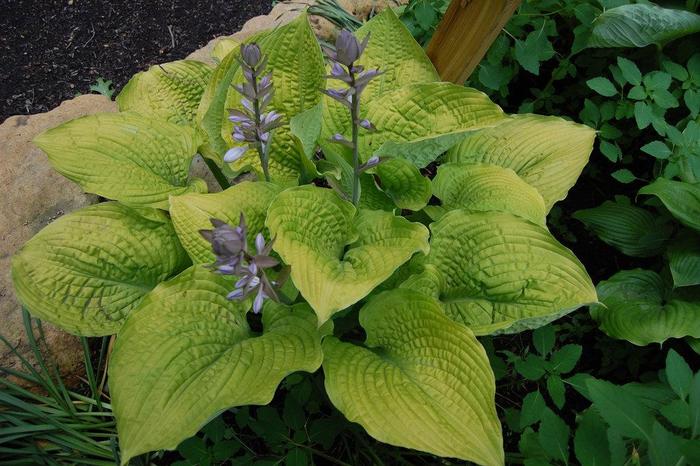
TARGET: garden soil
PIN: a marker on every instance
(52, 50)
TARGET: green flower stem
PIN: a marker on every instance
(355, 116)
(258, 123)
(218, 174)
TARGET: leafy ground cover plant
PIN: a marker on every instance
(410, 267)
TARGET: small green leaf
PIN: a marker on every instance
(602, 86)
(534, 49)
(664, 447)
(404, 391)
(188, 354)
(641, 24)
(554, 436)
(532, 367)
(633, 230)
(591, 442)
(694, 401)
(532, 410)
(678, 374)
(86, 271)
(637, 93)
(623, 176)
(611, 151)
(125, 156)
(338, 255)
(629, 71)
(643, 114)
(565, 359)
(624, 413)
(555, 387)
(657, 149)
(680, 198)
(544, 338)
(677, 412)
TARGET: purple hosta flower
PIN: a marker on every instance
(348, 51)
(234, 258)
(371, 163)
(252, 124)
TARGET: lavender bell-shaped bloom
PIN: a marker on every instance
(230, 246)
(252, 125)
(347, 51)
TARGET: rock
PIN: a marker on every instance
(34, 195)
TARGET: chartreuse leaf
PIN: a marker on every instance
(296, 64)
(639, 307)
(684, 259)
(404, 184)
(338, 255)
(124, 156)
(633, 230)
(419, 122)
(639, 25)
(170, 91)
(546, 152)
(494, 271)
(87, 270)
(187, 353)
(392, 49)
(422, 382)
(680, 198)
(192, 212)
(486, 188)
(223, 47)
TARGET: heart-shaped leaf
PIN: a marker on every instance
(192, 212)
(125, 156)
(420, 121)
(639, 307)
(548, 153)
(170, 91)
(424, 382)
(87, 270)
(633, 230)
(494, 271)
(680, 198)
(487, 188)
(338, 255)
(187, 353)
(639, 25)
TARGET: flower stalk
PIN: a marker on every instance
(348, 51)
(252, 125)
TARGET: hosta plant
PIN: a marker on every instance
(332, 186)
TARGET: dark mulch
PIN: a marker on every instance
(52, 50)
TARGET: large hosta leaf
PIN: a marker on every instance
(680, 198)
(684, 259)
(391, 48)
(87, 270)
(338, 255)
(420, 121)
(187, 353)
(424, 383)
(404, 184)
(170, 91)
(125, 156)
(639, 307)
(192, 212)
(546, 152)
(633, 230)
(296, 64)
(639, 25)
(487, 188)
(494, 271)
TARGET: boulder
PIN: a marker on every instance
(33, 195)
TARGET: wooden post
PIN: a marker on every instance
(465, 35)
